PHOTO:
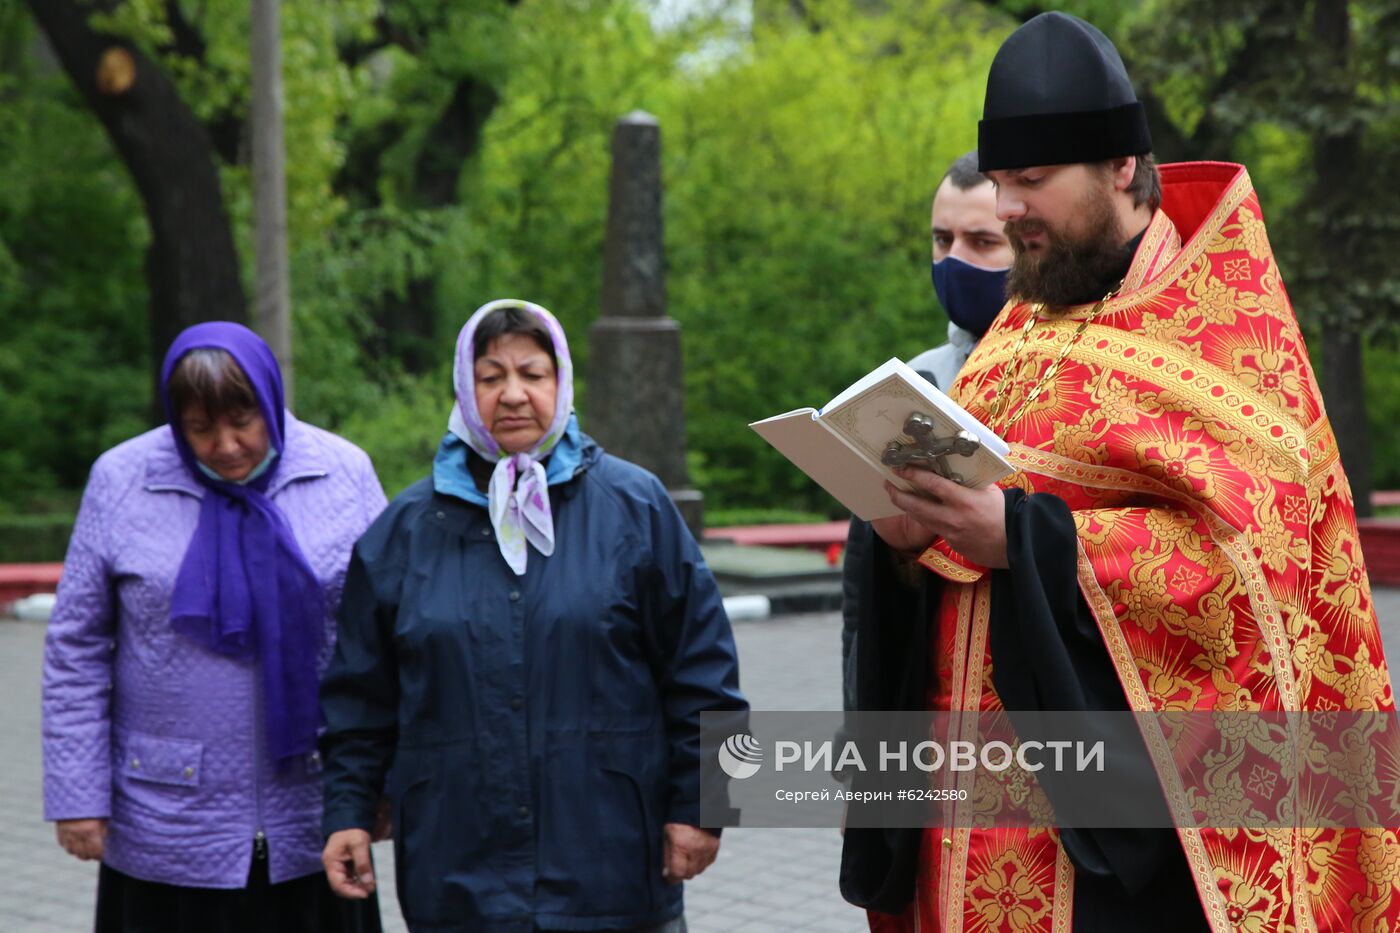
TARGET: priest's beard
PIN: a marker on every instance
(1070, 269)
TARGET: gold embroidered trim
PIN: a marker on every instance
(1063, 907)
(1202, 872)
(1159, 231)
(962, 633)
(1261, 600)
(1054, 466)
(971, 688)
(1323, 453)
(1217, 394)
(948, 568)
(1302, 900)
(977, 646)
(1168, 252)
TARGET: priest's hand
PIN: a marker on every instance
(972, 521)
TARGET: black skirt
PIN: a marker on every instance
(302, 905)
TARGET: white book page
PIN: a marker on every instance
(831, 461)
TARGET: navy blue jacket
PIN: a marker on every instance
(541, 728)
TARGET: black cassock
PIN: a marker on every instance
(1047, 654)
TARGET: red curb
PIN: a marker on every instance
(1380, 544)
(20, 580)
(818, 537)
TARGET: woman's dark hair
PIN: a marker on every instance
(213, 380)
(510, 320)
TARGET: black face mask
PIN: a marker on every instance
(970, 294)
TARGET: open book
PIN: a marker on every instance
(851, 445)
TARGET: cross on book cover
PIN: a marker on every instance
(889, 417)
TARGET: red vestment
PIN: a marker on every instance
(1218, 553)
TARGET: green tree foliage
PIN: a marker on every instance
(446, 152)
(72, 234)
(798, 166)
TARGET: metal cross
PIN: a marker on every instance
(928, 451)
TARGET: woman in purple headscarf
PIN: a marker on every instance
(181, 666)
(528, 636)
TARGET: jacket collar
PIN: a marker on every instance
(303, 459)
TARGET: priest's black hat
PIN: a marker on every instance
(1058, 93)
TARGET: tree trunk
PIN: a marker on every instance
(192, 265)
(273, 291)
(1336, 158)
(1344, 391)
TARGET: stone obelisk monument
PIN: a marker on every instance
(635, 397)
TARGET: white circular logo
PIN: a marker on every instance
(740, 756)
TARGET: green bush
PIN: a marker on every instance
(1383, 412)
(402, 430)
(724, 518)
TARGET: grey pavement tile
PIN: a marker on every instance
(766, 880)
(35, 925)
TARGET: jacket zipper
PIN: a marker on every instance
(259, 837)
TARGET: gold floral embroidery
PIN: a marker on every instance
(1379, 854)
(1343, 580)
(1272, 374)
(1318, 855)
(1179, 464)
(1182, 324)
(1168, 689)
(1213, 300)
(1079, 441)
(1249, 906)
(1369, 914)
(1277, 543)
(1363, 684)
(1246, 234)
(1006, 898)
(1145, 598)
(1212, 626)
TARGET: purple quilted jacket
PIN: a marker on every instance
(146, 728)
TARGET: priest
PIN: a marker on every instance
(1178, 535)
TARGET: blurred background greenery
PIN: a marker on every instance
(445, 152)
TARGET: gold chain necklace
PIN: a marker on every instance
(1002, 401)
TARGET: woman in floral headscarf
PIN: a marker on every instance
(528, 636)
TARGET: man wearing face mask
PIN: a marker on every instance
(971, 258)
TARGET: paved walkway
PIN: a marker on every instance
(768, 880)
(765, 879)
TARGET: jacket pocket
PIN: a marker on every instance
(642, 847)
(160, 760)
(414, 853)
(601, 846)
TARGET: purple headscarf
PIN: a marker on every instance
(244, 588)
